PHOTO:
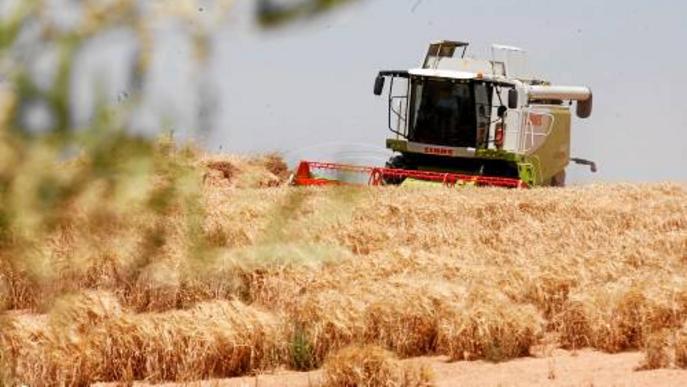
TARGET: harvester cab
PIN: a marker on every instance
(460, 120)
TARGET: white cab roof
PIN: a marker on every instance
(455, 74)
(441, 73)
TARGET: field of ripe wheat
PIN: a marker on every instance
(248, 274)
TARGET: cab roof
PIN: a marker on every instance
(456, 74)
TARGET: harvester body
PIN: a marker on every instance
(460, 120)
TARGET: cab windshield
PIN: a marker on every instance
(449, 112)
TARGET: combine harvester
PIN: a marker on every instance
(464, 121)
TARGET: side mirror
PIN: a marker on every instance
(512, 99)
(584, 108)
(501, 111)
(379, 85)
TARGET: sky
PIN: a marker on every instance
(306, 90)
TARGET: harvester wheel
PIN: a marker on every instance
(558, 180)
(395, 162)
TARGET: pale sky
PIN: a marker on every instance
(306, 90)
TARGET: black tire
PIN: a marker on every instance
(558, 180)
(395, 162)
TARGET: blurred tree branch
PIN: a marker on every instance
(273, 13)
(102, 169)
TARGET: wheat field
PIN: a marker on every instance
(252, 275)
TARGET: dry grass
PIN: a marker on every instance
(267, 275)
(372, 366)
(619, 315)
(89, 338)
(666, 349)
(657, 351)
(681, 347)
(489, 326)
(244, 172)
